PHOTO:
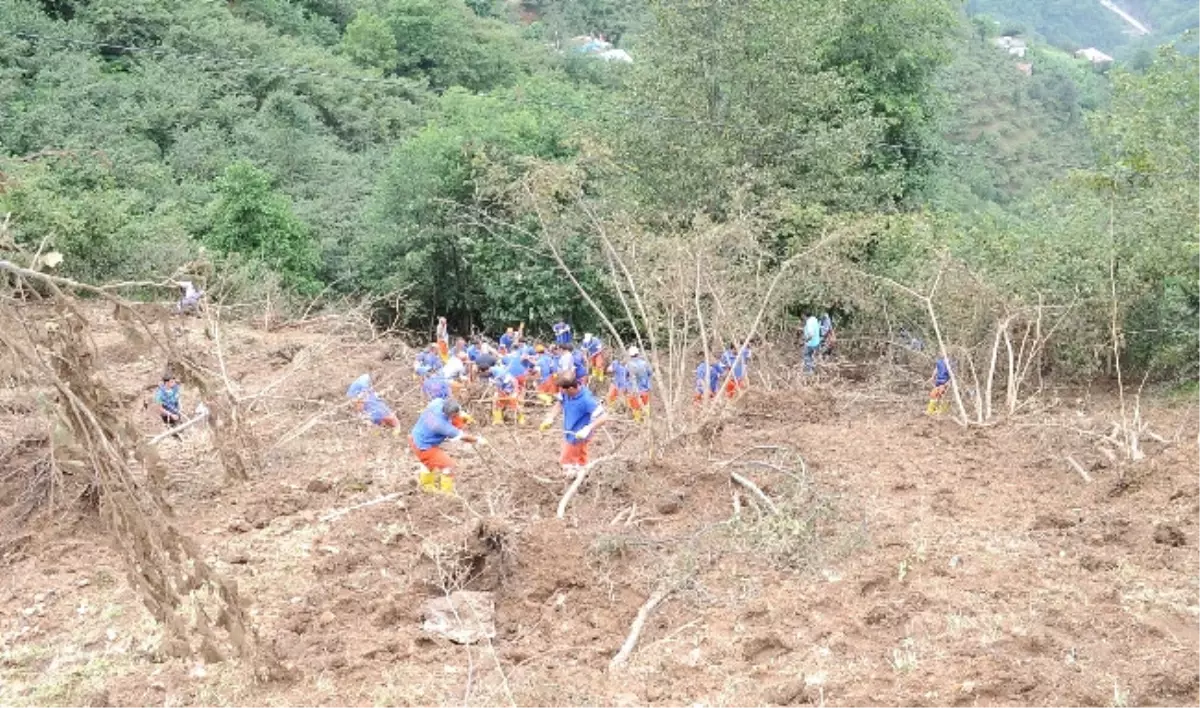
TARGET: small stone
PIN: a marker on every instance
(198, 671)
(666, 507)
(319, 486)
(40, 597)
(955, 561)
(327, 618)
(82, 583)
(1169, 536)
(763, 648)
(787, 692)
(111, 634)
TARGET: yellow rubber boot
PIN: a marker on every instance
(944, 407)
(428, 480)
(637, 416)
(446, 484)
(497, 416)
(931, 409)
(545, 398)
(521, 419)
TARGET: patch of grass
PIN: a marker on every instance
(791, 539)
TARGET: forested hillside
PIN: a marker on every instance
(1074, 24)
(460, 157)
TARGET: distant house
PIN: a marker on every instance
(1025, 68)
(1095, 56)
(600, 48)
(616, 55)
(1013, 45)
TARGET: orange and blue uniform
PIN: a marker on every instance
(638, 398)
(578, 412)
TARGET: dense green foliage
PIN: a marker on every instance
(443, 153)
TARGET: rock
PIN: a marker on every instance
(464, 617)
(326, 618)
(764, 647)
(668, 506)
(239, 526)
(238, 558)
(787, 693)
(1043, 522)
(319, 486)
(1169, 535)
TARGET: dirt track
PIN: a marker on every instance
(936, 565)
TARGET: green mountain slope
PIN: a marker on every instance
(1073, 24)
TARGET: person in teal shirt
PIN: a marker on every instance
(166, 397)
(812, 342)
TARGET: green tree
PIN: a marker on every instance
(250, 218)
(787, 95)
(369, 42)
(1150, 156)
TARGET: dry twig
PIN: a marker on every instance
(635, 630)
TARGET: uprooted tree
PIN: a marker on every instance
(48, 347)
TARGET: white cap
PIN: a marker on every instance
(633, 351)
(587, 337)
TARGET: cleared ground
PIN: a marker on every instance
(912, 562)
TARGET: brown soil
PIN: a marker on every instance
(916, 563)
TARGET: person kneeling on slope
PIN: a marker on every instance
(938, 403)
(582, 414)
(507, 395)
(367, 402)
(439, 422)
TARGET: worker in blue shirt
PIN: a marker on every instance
(731, 360)
(708, 379)
(582, 415)
(547, 367)
(562, 333)
(619, 387)
(367, 402)
(507, 395)
(511, 338)
(517, 364)
(435, 386)
(427, 361)
(436, 425)
(938, 402)
(594, 349)
(579, 364)
(639, 385)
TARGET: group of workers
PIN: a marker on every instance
(559, 377)
(557, 374)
